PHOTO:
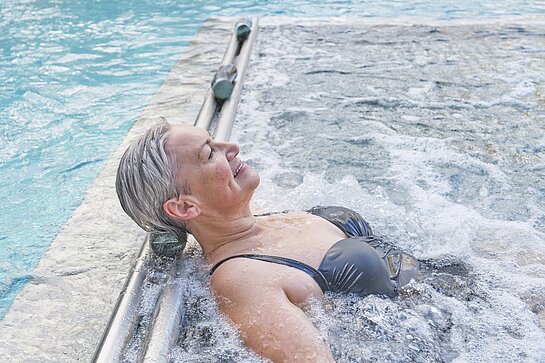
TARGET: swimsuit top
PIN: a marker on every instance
(360, 264)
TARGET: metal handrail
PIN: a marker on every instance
(165, 329)
(163, 332)
(228, 110)
(123, 320)
(209, 107)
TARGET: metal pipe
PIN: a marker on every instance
(207, 111)
(163, 332)
(210, 105)
(123, 319)
(231, 51)
(228, 110)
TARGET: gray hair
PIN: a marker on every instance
(146, 178)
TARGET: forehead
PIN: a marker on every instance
(185, 140)
(186, 134)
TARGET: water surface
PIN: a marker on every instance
(435, 134)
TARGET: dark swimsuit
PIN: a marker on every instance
(360, 264)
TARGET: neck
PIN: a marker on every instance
(220, 232)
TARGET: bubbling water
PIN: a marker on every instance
(434, 134)
(205, 334)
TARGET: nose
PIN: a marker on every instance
(231, 149)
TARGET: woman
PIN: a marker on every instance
(263, 268)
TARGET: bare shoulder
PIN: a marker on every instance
(237, 278)
(252, 298)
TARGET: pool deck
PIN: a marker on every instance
(61, 313)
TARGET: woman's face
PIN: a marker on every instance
(212, 170)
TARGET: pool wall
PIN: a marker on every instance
(61, 313)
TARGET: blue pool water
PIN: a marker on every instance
(75, 75)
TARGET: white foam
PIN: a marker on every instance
(492, 313)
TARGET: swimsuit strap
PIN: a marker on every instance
(272, 213)
(315, 274)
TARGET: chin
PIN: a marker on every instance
(255, 180)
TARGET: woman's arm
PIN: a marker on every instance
(268, 322)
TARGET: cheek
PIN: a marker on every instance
(216, 176)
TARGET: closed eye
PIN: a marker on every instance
(211, 154)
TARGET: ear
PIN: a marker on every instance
(182, 207)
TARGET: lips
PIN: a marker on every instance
(238, 169)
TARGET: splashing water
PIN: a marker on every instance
(435, 135)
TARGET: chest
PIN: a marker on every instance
(302, 237)
(298, 236)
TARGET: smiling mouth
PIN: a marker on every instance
(238, 169)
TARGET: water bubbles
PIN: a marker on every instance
(205, 334)
(427, 148)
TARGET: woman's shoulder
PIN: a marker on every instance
(242, 278)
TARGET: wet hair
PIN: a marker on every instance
(146, 178)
